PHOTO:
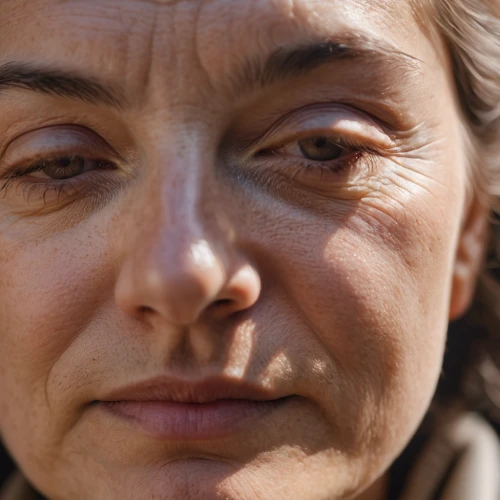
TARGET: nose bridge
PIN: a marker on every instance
(183, 228)
(184, 202)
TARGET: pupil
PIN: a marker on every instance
(320, 148)
(65, 162)
(64, 167)
(319, 142)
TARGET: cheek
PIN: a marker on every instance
(52, 291)
(51, 288)
(373, 290)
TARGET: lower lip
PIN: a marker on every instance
(191, 421)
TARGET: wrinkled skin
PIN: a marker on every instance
(209, 245)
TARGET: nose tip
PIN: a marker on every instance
(181, 289)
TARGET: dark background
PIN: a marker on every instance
(6, 465)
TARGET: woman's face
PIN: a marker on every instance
(229, 237)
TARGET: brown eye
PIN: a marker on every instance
(66, 167)
(320, 149)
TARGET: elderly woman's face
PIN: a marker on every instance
(229, 235)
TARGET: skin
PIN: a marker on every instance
(212, 249)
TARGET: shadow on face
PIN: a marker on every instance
(213, 197)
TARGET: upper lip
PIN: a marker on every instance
(207, 390)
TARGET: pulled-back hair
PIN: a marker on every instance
(470, 30)
(470, 377)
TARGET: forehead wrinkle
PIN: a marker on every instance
(169, 3)
(240, 77)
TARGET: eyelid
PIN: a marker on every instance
(55, 141)
(318, 120)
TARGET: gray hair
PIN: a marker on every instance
(470, 30)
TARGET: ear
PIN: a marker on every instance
(469, 257)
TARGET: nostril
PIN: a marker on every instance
(222, 307)
(222, 302)
(145, 310)
(181, 294)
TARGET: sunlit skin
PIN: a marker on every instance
(302, 231)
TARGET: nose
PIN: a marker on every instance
(180, 264)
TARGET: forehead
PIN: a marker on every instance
(236, 12)
(140, 39)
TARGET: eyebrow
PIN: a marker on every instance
(282, 64)
(55, 82)
(287, 63)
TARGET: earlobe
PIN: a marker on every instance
(469, 258)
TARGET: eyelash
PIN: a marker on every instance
(57, 186)
(335, 166)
